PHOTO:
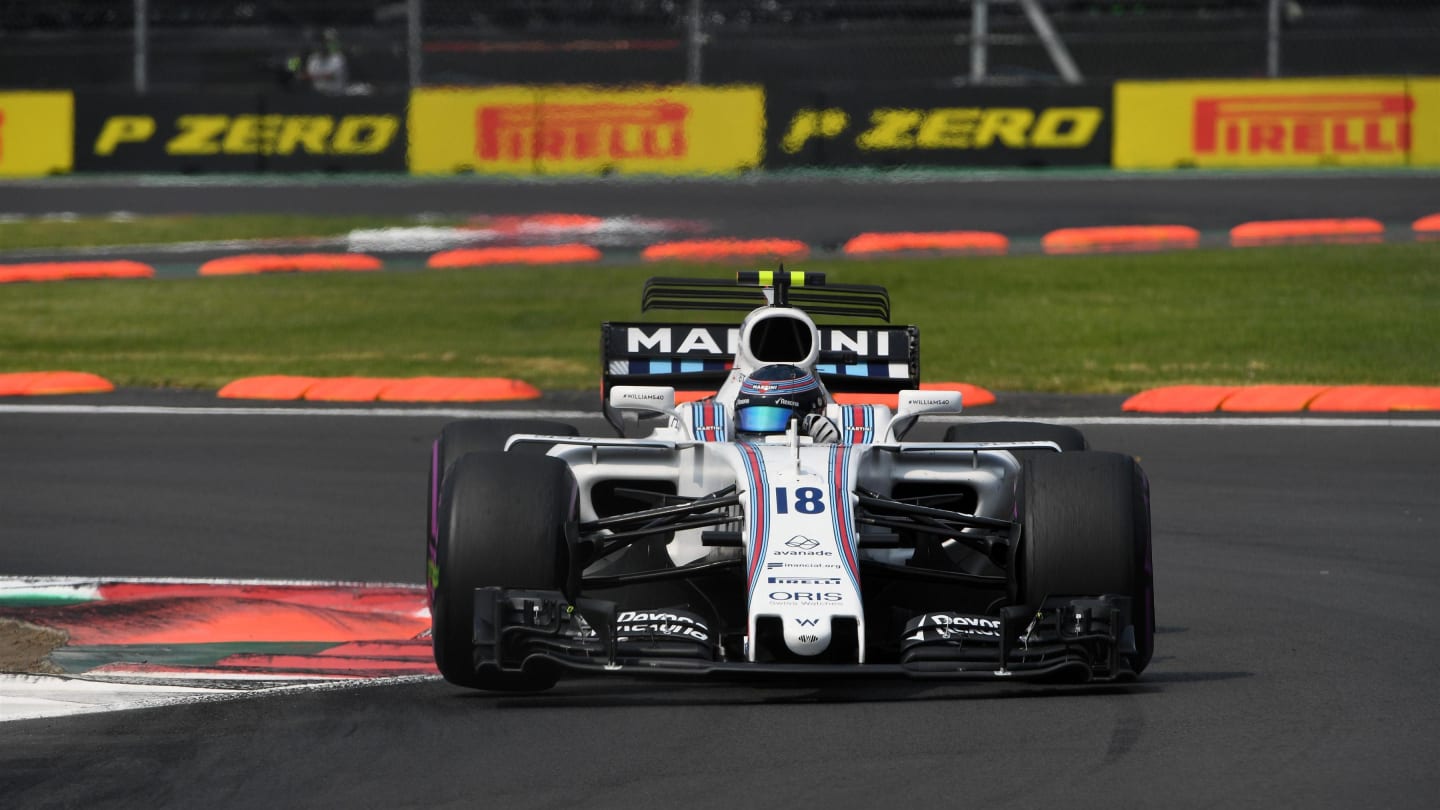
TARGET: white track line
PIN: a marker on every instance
(469, 413)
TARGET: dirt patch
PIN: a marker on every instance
(26, 647)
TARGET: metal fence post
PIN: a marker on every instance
(694, 42)
(1055, 46)
(1272, 41)
(142, 45)
(979, 42)
(413, 10)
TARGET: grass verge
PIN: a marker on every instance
(1114, 324)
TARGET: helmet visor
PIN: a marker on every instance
(763, 419)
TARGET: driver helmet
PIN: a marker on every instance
(773, 395)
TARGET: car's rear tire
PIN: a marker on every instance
(502, 523)
(1068, 438)
(472, 436)
(1085, 531)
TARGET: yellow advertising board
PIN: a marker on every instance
(37, 131)
(1267, 123)
(571, 130)
(1425, 122)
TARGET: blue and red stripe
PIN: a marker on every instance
(759, 512)
(708, 418)
(842, 516)
(859, 424)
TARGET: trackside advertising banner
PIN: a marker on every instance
(564, 130)
(1277, 123)
(972, 126)
(238, 133)
(35, 133)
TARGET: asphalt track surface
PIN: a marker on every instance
(1297, 598)
(822, 209)
(1297, 575)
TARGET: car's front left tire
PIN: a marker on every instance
(1085, 531)
(502, 520)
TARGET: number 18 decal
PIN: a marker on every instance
(808, 500)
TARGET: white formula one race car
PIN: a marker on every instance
(769, 530)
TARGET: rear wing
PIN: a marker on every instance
(699, 356)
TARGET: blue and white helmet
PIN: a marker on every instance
(773, 395)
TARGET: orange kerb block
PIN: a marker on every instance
(1364, 398)
(970, 395)
(458, 389)
(17, 383)
(538, 254)
(697, 250)
(348, 389)
(69, 382)
(1272, 398)
(1117, 238)
(1427, 228)
(289, 263)
(63, 271)
(1180, 399)
(43, 383)
(974, 242)
(1298, 231)
(890, 401)
(275, 386)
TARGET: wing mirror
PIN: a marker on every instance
(913, 403)
(654, 398)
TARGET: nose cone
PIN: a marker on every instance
(808, 636)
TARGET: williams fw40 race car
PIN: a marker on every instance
(770, 530)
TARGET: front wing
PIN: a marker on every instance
(1066, 639)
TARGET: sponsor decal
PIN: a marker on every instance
(1264, 123)
(252, 134)
(959, 128)
(930, 402)
(809, 639)
(584, 130)
(580, 132)
(802, 542)
(805, 564)
(632, 623)
(1318, 124)
(721, 341)
(804, 580)
(962, 126)
(807, 622)
(806, 596)
(238, 132)
(951, 627)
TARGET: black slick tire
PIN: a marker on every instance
(472, 436)
(502, 523)
(1085, 531)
